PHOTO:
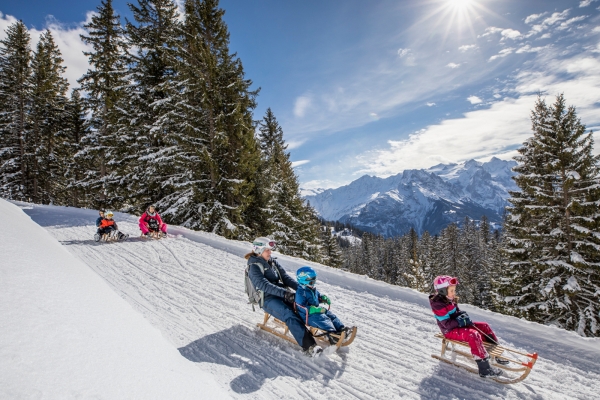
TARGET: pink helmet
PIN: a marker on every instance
(441, 282)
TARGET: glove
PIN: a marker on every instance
(324, 299)
(464, 320)
(316, 310)
(289, 297)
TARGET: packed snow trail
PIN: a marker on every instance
(190, 287)
(65, 334)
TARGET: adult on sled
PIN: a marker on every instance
(308, 304)
(150, 222)
(278, 301)
(456, 325)
(108, 226)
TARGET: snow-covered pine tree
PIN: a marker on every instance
(451, 256)
(48, 101)
(217, 156)
(332, 254)
(290, 221)
(15, 96)
(416, 273)
(103, 85)
(148, 117)
(75, 128)
(427, 257)
(472, 270)
(553, 227)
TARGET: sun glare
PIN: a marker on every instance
(460, 4)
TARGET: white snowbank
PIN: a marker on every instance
(65, 334)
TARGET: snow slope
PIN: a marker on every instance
(65, 334)
(189, 287)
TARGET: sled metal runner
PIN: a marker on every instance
(318, 334)
(516, 365)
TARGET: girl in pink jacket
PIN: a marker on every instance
(151, 222)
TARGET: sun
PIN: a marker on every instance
(460, 4)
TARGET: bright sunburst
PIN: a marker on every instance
(460, 4)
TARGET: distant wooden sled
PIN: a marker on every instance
(516, 365)
(318, 334)
(153, 235)
(109, 238)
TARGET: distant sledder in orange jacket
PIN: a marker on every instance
(150, 222)
(107, 226)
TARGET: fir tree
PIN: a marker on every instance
(15, 96)
(48, 103)
(74, 130)
(104, 85)
(553, 227)
(217, 155)
(148, 118)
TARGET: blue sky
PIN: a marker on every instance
(378, 87)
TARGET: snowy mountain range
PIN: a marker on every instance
(425, 199)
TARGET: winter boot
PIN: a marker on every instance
(486, 370)
(313, 351)
(97, 237)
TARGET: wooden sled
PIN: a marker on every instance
(153, 235)
(318, 334)
(518, 369)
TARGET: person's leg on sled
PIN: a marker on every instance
(279, 309)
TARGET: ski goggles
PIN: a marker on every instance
(270, 244)
(449, 281)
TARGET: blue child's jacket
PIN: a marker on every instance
(306, 297)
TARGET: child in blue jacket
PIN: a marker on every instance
(308, 301)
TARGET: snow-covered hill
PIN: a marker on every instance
(189, 287)
(427, 200)
(66, 335)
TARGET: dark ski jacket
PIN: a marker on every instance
(445, 312)
(269, 283)
(99, 221)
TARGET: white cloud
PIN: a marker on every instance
(502, 53)
(528, 49)
(453, 65)
(567, 23)
(467, 47)
(491, 30)
(585, 3)
(66, 38)
(430, 104)
(533, 17)
(403, 52)
(502, 127)
(510, 34)
(556, 17)
(546, 36)
(299, 163)
(596, 29)
(474, 100)
(301, 105)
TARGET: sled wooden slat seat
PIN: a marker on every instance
(318, 334)
(516, 365)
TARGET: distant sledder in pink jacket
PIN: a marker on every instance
(150, 222)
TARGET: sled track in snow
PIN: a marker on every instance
(193, 293)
